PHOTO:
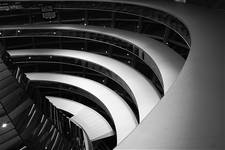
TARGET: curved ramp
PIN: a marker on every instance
(167, 61)
(145, 94)
(91, 121)
(123, 117)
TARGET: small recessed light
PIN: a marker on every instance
(4, 125)
(180, 1)
(18, 31)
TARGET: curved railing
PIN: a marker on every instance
(73, 132)
(111, 14)
(79, 67)
(24, 114)
(143, 13)
(74, 93)
(84, 44)
(89, 45)
(74, 141)
(53, 31)
(150, 13)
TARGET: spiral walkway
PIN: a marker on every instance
(110, 74)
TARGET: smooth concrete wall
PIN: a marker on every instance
(191, 114)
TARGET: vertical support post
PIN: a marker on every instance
(113, 20)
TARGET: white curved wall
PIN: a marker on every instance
(191, 114)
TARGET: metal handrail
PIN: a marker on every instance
(52, 112)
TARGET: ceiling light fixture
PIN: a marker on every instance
(4, 125)
(180, 1)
